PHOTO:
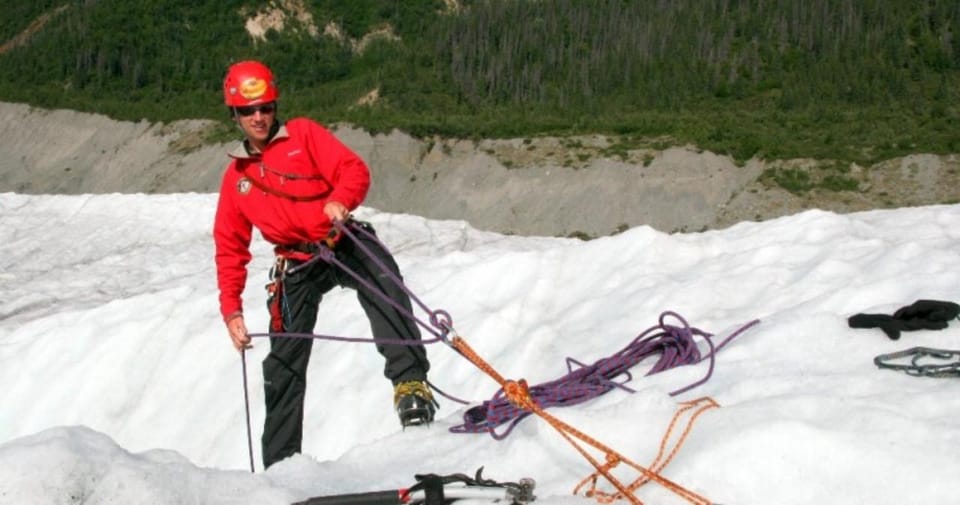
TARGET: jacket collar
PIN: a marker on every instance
(242, 151)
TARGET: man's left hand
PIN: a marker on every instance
(336, 211)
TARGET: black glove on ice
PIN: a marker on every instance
(921, 315)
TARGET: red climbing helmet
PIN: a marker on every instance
(249, 83)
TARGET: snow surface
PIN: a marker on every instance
(120, 384)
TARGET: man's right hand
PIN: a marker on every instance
(238, 333)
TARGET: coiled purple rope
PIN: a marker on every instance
(674, 344)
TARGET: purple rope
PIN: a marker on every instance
(674, 344)
(388, 341)
(440, 321)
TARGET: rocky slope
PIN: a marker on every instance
(541, 186)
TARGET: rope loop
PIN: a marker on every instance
(669, 313)
(441, 320)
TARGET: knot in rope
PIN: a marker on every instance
(519, 394)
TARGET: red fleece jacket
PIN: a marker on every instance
(303, 159)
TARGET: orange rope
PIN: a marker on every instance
(700, 405)
(518, 393)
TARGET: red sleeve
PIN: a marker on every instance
(231, 236)
(347, 172)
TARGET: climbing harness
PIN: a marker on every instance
(917, 361)
(516, 399)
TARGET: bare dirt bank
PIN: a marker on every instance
(540, 186)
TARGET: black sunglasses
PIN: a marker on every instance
(266, 108)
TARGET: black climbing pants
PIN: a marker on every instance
(285, 367)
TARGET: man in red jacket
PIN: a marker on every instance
(292, 180)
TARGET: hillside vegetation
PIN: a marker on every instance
(845, 80)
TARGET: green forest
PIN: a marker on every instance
(849, 80)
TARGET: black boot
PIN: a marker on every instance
(414, 403)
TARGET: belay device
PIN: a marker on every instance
(432, 489)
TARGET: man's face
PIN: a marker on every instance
(256, 121)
